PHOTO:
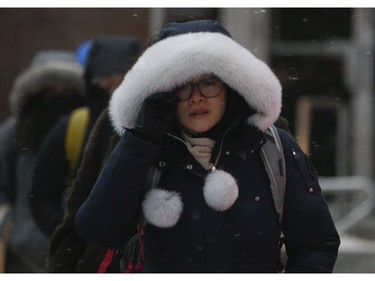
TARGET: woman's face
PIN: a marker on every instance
(206, 105)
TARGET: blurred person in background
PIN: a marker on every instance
(49, 88)
(107, 62)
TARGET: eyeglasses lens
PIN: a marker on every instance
(209, 88)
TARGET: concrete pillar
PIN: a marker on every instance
(250, 27)
(157, 17)
(362, 100)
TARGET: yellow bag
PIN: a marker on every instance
(75, 136)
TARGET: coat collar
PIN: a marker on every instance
(241, 139)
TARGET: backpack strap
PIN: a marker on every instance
(75, 136)
(153, 178)
(274, 161)
(152, 181)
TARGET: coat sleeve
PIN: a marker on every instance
(311, 239)
(49, 180)
(108, 216)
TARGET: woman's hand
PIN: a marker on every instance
(156, 116)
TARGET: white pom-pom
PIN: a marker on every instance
(220, 190)
(162, 208)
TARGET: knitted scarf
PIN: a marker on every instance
(201, 149)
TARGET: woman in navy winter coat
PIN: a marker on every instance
(196, 105)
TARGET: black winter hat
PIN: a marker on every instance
(178, 28)
(110, 54)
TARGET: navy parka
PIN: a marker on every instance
(242, 239)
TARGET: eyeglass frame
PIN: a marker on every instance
(197, 85)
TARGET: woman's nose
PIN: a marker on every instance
(196, 96)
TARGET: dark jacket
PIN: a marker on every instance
(243, 239)
(51, 181)
(195, 221)
(52, 178)
(67, 251)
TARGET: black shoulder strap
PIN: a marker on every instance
(153, 178)
(152, 181)
(274, 161)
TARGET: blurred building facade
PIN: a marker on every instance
(324, 58)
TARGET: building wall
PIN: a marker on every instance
(26, 31)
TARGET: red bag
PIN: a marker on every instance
(132, 256)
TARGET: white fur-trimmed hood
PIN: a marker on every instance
(30, 83)
(175, 60)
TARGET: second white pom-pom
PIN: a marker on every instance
(220, 190)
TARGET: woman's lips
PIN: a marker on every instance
(199, 113)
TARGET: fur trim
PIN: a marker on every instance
(162, 208)
(33, 80)
(176, 60)
(220, 190)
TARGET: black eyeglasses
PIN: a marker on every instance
(209, 88)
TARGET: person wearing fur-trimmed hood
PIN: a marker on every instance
(196, 104)
(50, 87)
